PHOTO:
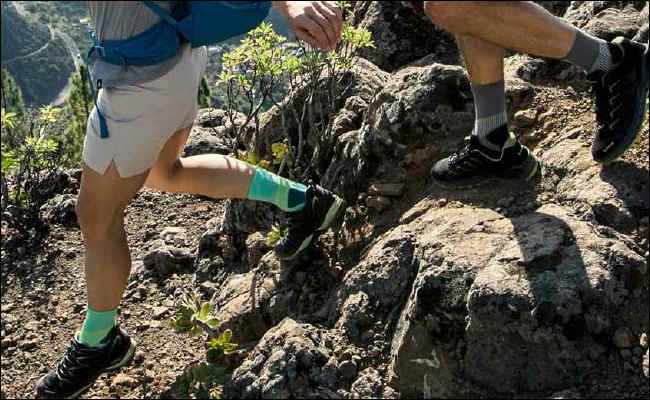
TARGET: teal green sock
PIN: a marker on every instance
(268, 187)
(96, 326)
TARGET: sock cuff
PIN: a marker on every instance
(98, 320)
(489, 99)
(604, 60)
(587, 52)
(483, 126)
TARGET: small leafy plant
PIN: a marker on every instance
(30, 158)
(193, 316)
(274, 235)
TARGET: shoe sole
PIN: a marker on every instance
(331, 216)
(638, 117)
(530, 171)
(125, 360)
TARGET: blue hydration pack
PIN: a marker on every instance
(197, 22)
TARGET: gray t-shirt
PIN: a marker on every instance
(122, 20)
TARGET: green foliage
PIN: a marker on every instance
(30, 158)
(8, 119)
(11, 97)
(274, 235)
(253, 72)
(200, 381)
(204, 95)
(192, 315)
(77, 110)
(220, 346)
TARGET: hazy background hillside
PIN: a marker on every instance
(42, 65)
(38, 61)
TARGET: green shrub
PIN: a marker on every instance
(253, 72)
(192, 316)
(30, 159)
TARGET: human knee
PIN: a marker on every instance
(163, 177)
(95, 222)
(447, 15)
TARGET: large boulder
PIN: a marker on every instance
(402, 35)
(291, 360)
(420, 107)
(212, 132)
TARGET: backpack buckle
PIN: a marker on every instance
(100, 50)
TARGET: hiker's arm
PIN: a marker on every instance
(318, 23)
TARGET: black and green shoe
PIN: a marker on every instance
(322, 208)
(620, 99)
(476, 164)
(82, 365)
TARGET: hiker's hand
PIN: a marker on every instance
(318, 23)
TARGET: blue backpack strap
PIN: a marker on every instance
(163, 14)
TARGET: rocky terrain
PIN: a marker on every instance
(507, 289)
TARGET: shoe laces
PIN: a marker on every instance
(608, 101)
(74, 360)
(461, 154)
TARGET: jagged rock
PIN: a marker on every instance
(251, 303)
(506, 303)
(211, 133)
(524, 118)
(557, 8)
(372, 289)
(348, 369)
(250, 216)
(350, 116)
(378, 203)
(174, 236)
(418, 107)
(256, 247)
(368, 385)
(289, 361)
(580, 13)
(535, 292)
(164, 259)
(396, 45)
(387, 189)
(623, 338)
(218, 256)
(610, 194)
(361, 83)
(61, 210)
(614, 22)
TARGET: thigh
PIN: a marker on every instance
(102, 198)
(168, 157)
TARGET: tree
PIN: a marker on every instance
(204, 94)
(11, 98)
(77, 110)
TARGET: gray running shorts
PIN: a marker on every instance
(142, 117)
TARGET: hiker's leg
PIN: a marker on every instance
(498, 148)
(522, 26)
(220, 177)
(100, 211)
(211, 175)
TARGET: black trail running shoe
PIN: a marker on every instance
(322, 208)
(82, 365)
(475, 163)
(620, 99)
